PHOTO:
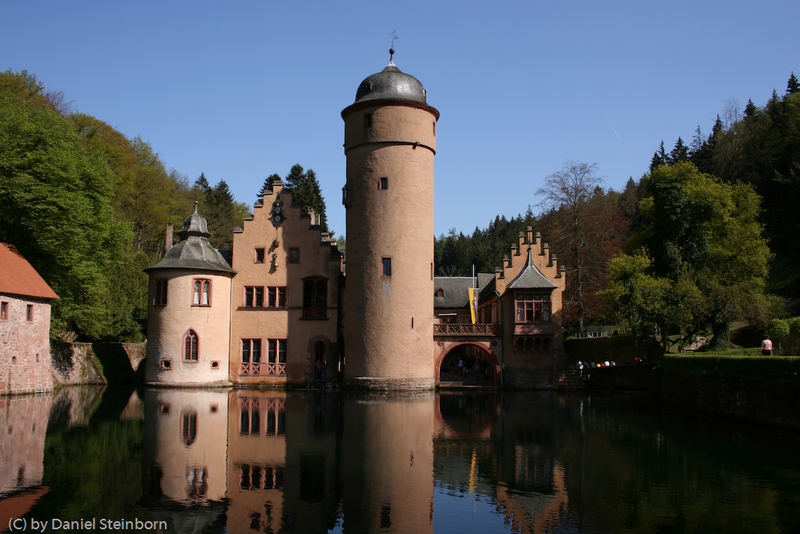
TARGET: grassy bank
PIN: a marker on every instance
(742, 362)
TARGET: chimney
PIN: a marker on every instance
(168, 238)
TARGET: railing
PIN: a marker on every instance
(459, 329)
(262, 369)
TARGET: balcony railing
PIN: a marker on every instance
(464, 329)
(262, 369)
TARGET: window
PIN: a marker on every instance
(251, 351)
(294, 255)
(160, 293)
(253, 365)
(4, 311)
(368, 120)
(533, 308)
(188, 427)
(201, 293)
(276, 297)
(315, 298)
(29, 313)
(190, 346)
(259, 256)
(386, 266)
(277, 351)
(253, 296)
(440, 292)
(383, 183)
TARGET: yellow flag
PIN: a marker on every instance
(473, 304)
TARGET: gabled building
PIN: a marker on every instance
(516, 339)
(25, 364)
(285, 300)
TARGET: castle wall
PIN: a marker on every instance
(388, 319)
(309, 334)
(25, 365)
(169, 324)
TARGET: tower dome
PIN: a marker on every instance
(390, 84)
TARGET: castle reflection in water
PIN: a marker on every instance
(276, 461)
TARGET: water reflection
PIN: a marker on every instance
(271, 461)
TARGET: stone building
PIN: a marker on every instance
(283, 311)
(284, 306)
(390, 143)
(516, 338)
(188, 322)
(25, 364)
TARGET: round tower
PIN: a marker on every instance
(390, 143)
(188, 320)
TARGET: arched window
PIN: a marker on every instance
(190, 346)
(201, 292)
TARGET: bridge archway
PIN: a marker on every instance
(468, 364)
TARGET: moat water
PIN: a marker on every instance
(244, 461)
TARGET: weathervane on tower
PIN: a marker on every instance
(391, 50)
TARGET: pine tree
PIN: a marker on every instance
(750, 109)
(679, 153)
(268, 181)
(792, 86)
(202, 184)
(659, 158)
(306, 190)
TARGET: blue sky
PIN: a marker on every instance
(241, 90)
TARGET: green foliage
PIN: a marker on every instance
(700, 244)
(762, 150)
(640, 299)
(87, 207)
(777, 329)
(56, 197)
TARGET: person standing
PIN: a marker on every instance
(766, 346)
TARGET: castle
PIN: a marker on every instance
(287, 310)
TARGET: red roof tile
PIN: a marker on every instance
(18, 277)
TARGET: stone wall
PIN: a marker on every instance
(759, 400)
(74, 363)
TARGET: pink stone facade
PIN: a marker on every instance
(25, 365)
(284, 303)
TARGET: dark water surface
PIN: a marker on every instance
(269, 461)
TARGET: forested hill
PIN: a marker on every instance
(586, 229)
(88, 207)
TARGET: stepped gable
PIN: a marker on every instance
(267, 200)
(540, 270)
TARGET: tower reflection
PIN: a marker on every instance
(185, 451)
